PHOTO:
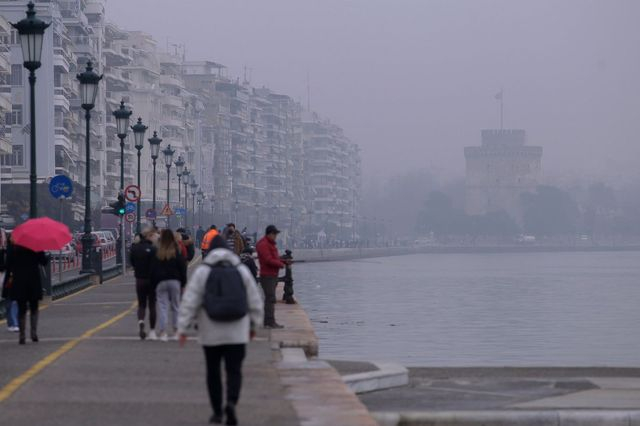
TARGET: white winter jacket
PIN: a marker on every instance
(214, 333)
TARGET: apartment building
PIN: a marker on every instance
(247, 148)
(332, 178)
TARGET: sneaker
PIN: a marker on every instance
(152, 335)
(164, 337)
(143, 335)
(13, 329)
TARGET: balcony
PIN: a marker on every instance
(170, 121)
(168, 80)
(60, 98)
(60, 59)
(63, 138)
(84, 45)
(115, 57)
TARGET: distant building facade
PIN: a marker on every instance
(499, 171)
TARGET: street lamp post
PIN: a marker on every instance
(88, 91)
(138, 133)
(194, 187)
(185, 174)
(154, 144)
(179, 169)
(122, 115)
(200, 200)
(168, 160)
(31, 31)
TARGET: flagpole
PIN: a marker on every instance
(501, 109)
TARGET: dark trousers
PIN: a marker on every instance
(269, 288)
(233, 356)
(146, 296)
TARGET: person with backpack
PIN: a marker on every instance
(224, 300)
(168, 275)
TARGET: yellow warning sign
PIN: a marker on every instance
(166, 211)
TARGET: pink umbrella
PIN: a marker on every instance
(41, 234)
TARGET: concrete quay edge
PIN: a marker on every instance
(388, 375)
(314, 388)
(511, 418)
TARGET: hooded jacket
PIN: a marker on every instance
(214, 333)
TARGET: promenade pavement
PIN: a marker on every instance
(90, 368)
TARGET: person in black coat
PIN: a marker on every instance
(142, 252)
(24, 266)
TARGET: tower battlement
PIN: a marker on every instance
(503, 137)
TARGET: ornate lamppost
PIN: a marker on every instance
(89, 80)
(154, 144)
(200, 200)
(168, 161)
(122, 115)
(138, 133)
(185, 174)
(194, 187)
(31, 31)
(179, 169)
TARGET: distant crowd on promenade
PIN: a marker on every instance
(225, 300)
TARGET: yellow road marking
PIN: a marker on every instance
(15, 384)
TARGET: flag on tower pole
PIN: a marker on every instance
(500, 97)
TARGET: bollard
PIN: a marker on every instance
(288, 279)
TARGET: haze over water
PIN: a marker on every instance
(527, 309)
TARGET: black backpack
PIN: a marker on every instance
(225, 297)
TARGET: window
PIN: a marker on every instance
(15, 116)
(16, 75)
(16, 158)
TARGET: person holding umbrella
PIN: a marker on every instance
(25, 258)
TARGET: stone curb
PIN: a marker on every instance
(387, 376)
(511, 418)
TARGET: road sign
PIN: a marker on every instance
(24, 216)
(130, 207)
(130, 217)
(180, 211)
(61, 186)
(166, 210)
(150, 214)
(132, 193)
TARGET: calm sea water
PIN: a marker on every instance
(526, 309)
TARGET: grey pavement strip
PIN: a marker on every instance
(511, 418)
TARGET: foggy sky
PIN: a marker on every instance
(413, 81)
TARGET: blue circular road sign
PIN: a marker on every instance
(61, 186)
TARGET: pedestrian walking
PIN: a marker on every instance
(206, 240)
(23, 266)
(223, 298)
(10, 306)
(168, 275)
(270, 264)
(247, 259)
(187, 242)
(199, 235)
(234, 239)
(142, 253)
